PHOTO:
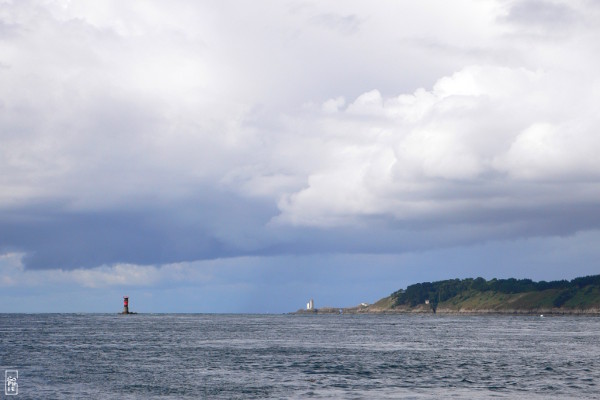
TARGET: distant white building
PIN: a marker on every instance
(310, 305)
(426, 301)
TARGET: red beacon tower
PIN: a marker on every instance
(125, 304)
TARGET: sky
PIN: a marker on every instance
(232, 156)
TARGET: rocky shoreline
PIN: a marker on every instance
(447, 311)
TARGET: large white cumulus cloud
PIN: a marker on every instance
(484, 137)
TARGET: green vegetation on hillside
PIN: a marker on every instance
(499, 294)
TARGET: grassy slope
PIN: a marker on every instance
(586, 298)
(474, 300)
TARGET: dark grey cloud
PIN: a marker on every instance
(542, 13)
(201, 228)
(223, 226)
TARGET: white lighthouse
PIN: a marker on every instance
(310, 305)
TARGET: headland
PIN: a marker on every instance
(580, 296)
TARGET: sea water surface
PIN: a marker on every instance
(196, 356)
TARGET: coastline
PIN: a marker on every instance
(580, 296)
(446, 311)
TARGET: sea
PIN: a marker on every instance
(209, 356)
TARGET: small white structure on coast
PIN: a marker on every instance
(426, 301)
(310, 305)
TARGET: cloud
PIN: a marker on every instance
(485, 138)
(201, 227)
(536, 14)
(14, 274)
(140, 134)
